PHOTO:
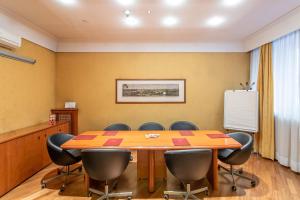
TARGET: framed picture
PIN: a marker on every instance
(150, 91)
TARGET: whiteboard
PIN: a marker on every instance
(241, 110)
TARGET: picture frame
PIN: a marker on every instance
(150, 91)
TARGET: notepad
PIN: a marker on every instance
(110, 133)
(186, 133)
(218, 135)
(84, 137)
(180, 142)
(113, 142)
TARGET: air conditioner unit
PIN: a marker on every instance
(9, 40)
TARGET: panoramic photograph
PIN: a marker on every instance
(150, 90)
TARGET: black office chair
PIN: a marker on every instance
(151, 126)
(118, 127)
(183, 125)
(237, 156)
(62, 157)
(106, 165)
(188, 166)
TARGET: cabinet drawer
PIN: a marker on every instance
(63, 128)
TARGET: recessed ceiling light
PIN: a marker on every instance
(126, 2)
(127, 13)
(215, 21)
(231, 2)
(131, 21)
(68, 2)
(174, 2)
(169, 21)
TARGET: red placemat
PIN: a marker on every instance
(180, 142)
(217, 135)
(113, 142)
(186, 133)
(110, 133)
(84, 137)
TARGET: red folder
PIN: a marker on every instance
(186, 133)
(180, 142)
(218, 135)
(110, 133)
(84, 137)
(113, 142)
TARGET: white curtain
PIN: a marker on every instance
(254, 63)
(286, 69)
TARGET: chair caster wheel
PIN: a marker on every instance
(233, 188)
(62, 189)
(43, 185)
(206, 193)
(166, 196)
(253, 183)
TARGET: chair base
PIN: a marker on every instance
(238, 173)
(62, 173)
(186, 194)
(107, 195)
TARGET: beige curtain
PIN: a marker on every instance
(265, 141)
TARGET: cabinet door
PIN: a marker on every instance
(63, 128)
(3, 169)
(24, 155)
(46, 134)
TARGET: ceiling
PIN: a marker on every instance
(102, 20)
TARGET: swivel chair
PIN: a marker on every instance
(188, 166)
(151, 126)
(106, 165)
(183, 125)
(62, 157)
(237, 156)
(118, 127)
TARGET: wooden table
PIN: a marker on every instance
(136, 140)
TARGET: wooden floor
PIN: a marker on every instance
(274, 182)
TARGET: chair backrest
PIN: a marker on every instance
(241, 155)
(56, 153)
(151, 126)
(118, 127)
(105, 164)
(189, 165)
(183, 125)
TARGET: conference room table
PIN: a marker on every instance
(152, 148)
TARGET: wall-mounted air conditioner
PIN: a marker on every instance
(9, 40)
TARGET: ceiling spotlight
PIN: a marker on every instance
(174, 3)
(215, 21)
(68, 2)
(126, 2)
(131, 21)
(169, 21)
(230, 3)
(127, 13)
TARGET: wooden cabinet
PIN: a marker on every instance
(24, 152)
(68, 115)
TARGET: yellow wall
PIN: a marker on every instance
(89, 79)
(27, 91)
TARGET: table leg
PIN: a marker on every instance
(86, 182)
(151, 171)
(213, 172)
